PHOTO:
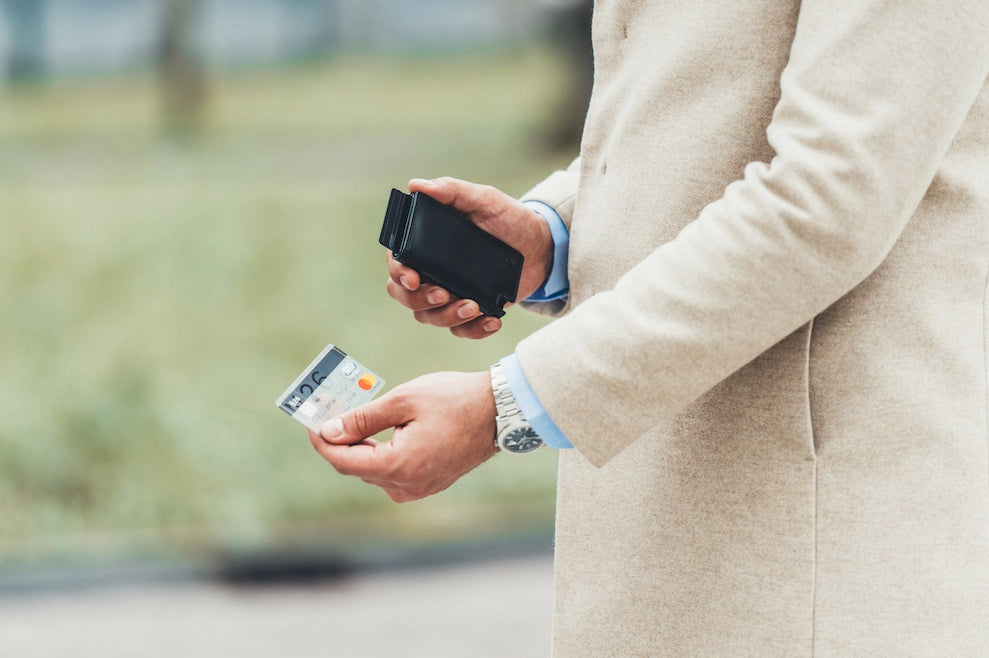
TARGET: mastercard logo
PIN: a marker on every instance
(367, 382)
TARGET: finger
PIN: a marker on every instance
(399, 496)
(378, 482)
(397, 493)
(480, 327)
(317, 440)
(467, 197)
(366, 420)
(407, 277)
(450, 315)
(360, 460)
(407, 287)
(424, 298)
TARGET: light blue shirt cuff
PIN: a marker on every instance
(557, 285)
(530, 406)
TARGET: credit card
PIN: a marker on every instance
(331, 385)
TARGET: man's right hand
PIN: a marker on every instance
(497, 213)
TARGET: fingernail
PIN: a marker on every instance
(332, 429)
(420, 181)
(467, 311)
(490, 326)
(404, 282)
(436, 297)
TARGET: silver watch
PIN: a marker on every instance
(514, 434)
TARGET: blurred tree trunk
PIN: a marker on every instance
(180, 67)
(571, 34)
(26, 19)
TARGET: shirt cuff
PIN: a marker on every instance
(530, 406)
(557, 284)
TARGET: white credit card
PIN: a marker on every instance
(331, 385)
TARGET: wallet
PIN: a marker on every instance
(449, 250)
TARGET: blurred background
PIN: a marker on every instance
(190, 198)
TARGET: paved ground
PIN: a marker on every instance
(485, 609)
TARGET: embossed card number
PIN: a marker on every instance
(331, 385)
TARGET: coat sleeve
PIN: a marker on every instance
(870, 100)
(558, 191)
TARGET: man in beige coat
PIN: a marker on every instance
(772, 356)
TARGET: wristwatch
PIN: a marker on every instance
(513, 433)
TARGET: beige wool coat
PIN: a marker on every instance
(772, 361)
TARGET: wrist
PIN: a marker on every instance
(556, 284)
(538, 253)
(513, 433)
(545, 255)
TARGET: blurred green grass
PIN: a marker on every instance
(157, 296)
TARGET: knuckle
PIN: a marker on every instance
(404, 493)
(399, 496)
(360, 420)
(436, 293)
(418, 492)
(488, 194)
(399, 293)
(403, 399)
(434, 317)
(467, 332)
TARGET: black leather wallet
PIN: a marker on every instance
(448, 249)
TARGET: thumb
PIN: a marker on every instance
(440, 188)
(362, 422)
(465, 196)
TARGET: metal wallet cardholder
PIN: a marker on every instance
(449, 250)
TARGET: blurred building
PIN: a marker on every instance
(42, 38)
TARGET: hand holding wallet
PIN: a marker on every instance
(446, 248)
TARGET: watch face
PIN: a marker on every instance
(521, 440)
